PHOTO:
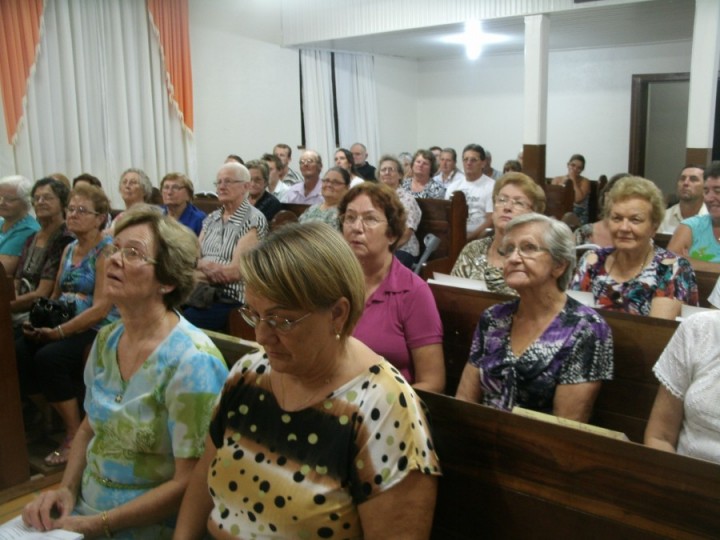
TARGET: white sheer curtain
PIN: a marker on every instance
(357, 102)
(318, 103)
(97, 100)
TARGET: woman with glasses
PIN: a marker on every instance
(513, 195)
(543, 351)
(401, 322)
(16, 223)
(334, 187)
(390, 173)
(315, 436)
(50, 360)
(421, 184)
(40, 258)
(634, 275)
(227, 232)
(177, 193)
(152, 379)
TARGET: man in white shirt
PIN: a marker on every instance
(478, 190)
(287, 175)
(309, 190)
(690, 193)
(448, 171)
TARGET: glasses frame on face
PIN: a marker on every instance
(80, 211)
(173, 187)
(517, 204)
(9, 199)
(49, 197)
(526, 250)
(307, 161)
(333, 183)
(386, 170)
(128, 254)
(222, 183)
(275, 322)
(366, 222)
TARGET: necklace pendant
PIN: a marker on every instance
(118, 398)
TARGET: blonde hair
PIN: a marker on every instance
(642, 188)
(306, 266)
(525, 184)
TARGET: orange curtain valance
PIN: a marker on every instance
(19, 38)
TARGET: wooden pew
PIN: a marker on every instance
(623, 404)
(508, 477)
(14, 463)
(448, 221)
(559, 199)
(296, 209)
(706, 283)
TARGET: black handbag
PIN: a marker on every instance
(47, 313)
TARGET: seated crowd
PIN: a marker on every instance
(349, 332)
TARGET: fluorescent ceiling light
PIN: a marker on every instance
(474, 39)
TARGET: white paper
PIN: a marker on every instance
(461, 282)
(16, 529)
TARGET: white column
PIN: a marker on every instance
(703, 74)
(537, 33)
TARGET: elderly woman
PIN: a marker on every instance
(543, 351)
(634, 275)
(334, 187)
(177, 193)
(401, 322)
(344, 159)
(227, 232)
(684, 417)
(152, 379)
(390, 172)
(421, 184)
(16, 223)
(513, 195)
(258, 195)
(50, 360)
(318, 448)
(135, 188)
(40, 258)
(581, 186)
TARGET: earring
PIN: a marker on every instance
(337, 336)
(163, 290)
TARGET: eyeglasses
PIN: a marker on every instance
(307, 161)
(80, 211)
(280, 324)
(130, 183)
(333, 183)
(367, 222)
(517, 204)
(220, 183)
(8, 199)
(43, 198)
(172, 187)
(388, 170)
(471, 160)
(526, 250)
(128, 255)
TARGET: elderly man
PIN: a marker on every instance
(697, 237)
(16, 223)
(690, 193)
(478, 190)
(177, 192)
(448, 171)
(309, 190)
(286, 174)
(362, 167)
(232, 229)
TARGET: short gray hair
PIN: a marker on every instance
(145, 182)
(558, 239)
(23, 187)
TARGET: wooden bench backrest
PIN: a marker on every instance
(508, 477)
(448, 221)
(14, 463)
(706, 283)
(623, 404)
(559, 199)
(296, 209)
(206, 204)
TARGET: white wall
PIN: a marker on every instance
(588, 103)
(245, 86)
(396, 85)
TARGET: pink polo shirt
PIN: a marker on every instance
(400, 316)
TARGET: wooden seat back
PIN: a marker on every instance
(559, 199)
(296, 209)
(448, 221)
(623, 404)
(14, 462)
(508, 477)
(283, 217)
(706, 283)
(206, 204)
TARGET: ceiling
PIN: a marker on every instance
(655, 21)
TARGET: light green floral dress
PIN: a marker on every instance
(142, 425)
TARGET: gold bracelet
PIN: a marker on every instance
(106, 525)
(60, 331)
